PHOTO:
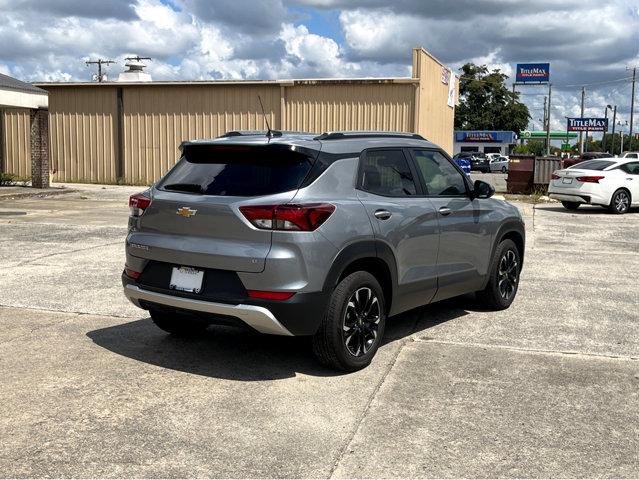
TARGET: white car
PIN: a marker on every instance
(630, 155)
(499, 163)
(609, 182)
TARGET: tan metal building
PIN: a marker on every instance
(130, 132)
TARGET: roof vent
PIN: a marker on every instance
(135, 72)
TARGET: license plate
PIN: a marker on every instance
(186, 279)
(566, 180)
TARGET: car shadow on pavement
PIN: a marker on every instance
(233, 353)
(583, 210)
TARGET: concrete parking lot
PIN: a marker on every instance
(90, 388)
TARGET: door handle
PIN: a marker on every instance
(382, 214)
(445, 211)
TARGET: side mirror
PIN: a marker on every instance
(482, 189)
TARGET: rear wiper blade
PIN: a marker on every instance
(184, 187)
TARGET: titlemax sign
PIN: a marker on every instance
(533, 72)
(590, 124)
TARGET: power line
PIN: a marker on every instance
(99, 62)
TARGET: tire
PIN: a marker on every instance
(503, 281)
(176, 324)
(504, 170)
(570, 205)
(348, 338)
(620, 201)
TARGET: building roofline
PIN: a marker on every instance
(283, 83)
(9, 83)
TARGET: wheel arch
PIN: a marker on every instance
(511, 230)
(372, 256)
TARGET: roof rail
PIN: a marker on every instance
(365, 134)
(250, 133)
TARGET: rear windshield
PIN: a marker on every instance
(593, 165)
(237, 171)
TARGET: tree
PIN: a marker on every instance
(532, 147)
(486, 103)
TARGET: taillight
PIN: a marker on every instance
(138, 203)
(554, 176)
(302, 218)
(132, 273)
(590, 179)
(264, 295)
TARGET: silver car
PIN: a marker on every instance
(325, 236)
(499, 163)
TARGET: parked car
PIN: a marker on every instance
(630, 155)
(325, 236)
(610, 182)
(499, 164)
(479, 162)
(569, 162)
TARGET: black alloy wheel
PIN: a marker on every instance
(361, 322)
(508, 275)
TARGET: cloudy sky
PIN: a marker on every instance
(588, 42)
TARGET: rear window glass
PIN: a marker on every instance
(593, 165)
(238, 171)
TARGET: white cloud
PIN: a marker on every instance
(585, 40)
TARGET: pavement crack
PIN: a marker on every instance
(71, 312)
(572, 353)
(33, 260)
(342, 451)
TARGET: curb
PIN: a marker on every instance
(35, 194)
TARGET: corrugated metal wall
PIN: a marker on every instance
(82, 131)
(16, 141)
(349, 106)
(154, 119)
(158, 119)
(436, 118)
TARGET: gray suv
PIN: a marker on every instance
(326, 236)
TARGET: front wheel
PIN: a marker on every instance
(503, 279)
(504, 170)
(176, 324)
(570, 205)
(620, 202)
(353, 326)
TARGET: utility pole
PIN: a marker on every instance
(548, 125)
(614, 119)
(99, 62)
(581, 134)
(632, 102)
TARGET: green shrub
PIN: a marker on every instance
(7, 179)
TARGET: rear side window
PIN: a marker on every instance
(440, 177)
(593, 165)
(386, 172)
(237, 171)
(631, 167)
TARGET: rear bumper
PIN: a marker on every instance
(564, 197)
(260, 318)
(589, 194)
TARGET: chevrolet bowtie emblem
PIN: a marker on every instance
(186, 212)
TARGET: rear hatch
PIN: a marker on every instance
(194, 218)
(590, 171)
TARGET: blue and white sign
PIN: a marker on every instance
(532, 72)
(587, 124)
